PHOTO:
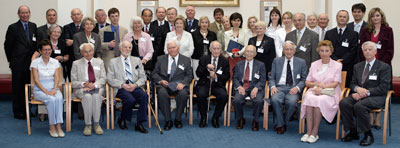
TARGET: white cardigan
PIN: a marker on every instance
(243, 39)
(186, 45)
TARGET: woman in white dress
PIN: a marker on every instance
(287, 19)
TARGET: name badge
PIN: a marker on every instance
(152, 38)
(57, 51)
(192, 30)
(260, 50)
(235, 39)
(373, 77)
(96, 68)
(258, 43)
(34, 38)
(378, 46)
(302, 48)
(257, 76)
(181, 67)
(345, 44)
(142, 39)
(92, 41)
(298, 76)
(219, 72)
(206, 41)
(175, 38)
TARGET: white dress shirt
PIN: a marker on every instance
(123, 65)
(170, 61)
(357, 27)
(282, 80)
(251, 69)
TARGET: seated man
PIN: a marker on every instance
(249, 78)
(172, 75)
(88, 77)
(126, 75)
(213, 68)
(370, 83)
(287, 80)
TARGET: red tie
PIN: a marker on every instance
(246, 82)
(77, 28)
(147, 29)
(172, 28)
(92, 78)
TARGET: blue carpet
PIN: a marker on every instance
(13, 134)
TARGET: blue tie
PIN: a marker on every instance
(173, 68)
(128, 71)
(26, 31)
(190, 25)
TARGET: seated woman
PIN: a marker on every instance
(324, 73)
(45, 72)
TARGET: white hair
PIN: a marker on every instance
(171, 41)
(288, 42)
(86, 44)
(136, 18)
(373, 45)
(120, 44)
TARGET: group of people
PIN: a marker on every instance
(284, 54)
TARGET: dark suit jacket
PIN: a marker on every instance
(203, 74)
(299, 72)
(309, 41)
(158, 42)
(378, 87)
(96, 28)
(268, 55)
(349, 53)
(195, 26)
(70, 30)
(17, 47)
(351, 27)
(199, 44)
(258, 68)
(184, 76)
(164, 29)
(385, 54)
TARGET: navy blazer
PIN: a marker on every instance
(386, 53)
(203, 74)
(70, 30)
(195, 26)
(299, 72)
(351, 27)
(268, 55)
(258, 69)
(184, 75)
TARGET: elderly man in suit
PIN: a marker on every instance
(156, 37)
(68, 33)
(88, 77)
(287, 80)
(126, 75)
(19, 45)
(306, 41)
(249, 79)
(51, 18)
(217, 24)
(192, 23)
(370, 84)
(101, 18)
(110, 49)
(345, 43)
(212, 68)
(172, 75)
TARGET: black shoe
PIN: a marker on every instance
(168, 125)
(367, 140)
(215, 123)
(255, 126)
(140, 128)
(240, 123)
(178, 124)
(351, 136)
(203, 123)
(295, 116)
(122, 123)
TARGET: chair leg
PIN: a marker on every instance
(229, 112)
(28, 121)
(300, 123)
(265, 122)
(112, 112)
(225, 112)
(338, 125)
(108, 112)
(385, 126)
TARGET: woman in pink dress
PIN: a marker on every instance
(324, 73)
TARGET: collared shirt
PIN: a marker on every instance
(365, 66)
(170, 61)
(337, 28)
(220, 26)
(113, 28)
(123, 64)
(251, 68)
(216, 65)
(301, 32)
(86, 68)
(160, 22)
(104, 25)
(45, 71)
(146, 27)
(282, 80)
(320, 32)
(357, 27)
(171, 26)
(23, 23)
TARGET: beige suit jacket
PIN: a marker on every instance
(79, 75)
(107, 53)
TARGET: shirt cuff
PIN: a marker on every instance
(83, 84)
(298, 88)
(355, 89)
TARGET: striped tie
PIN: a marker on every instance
(128, 71)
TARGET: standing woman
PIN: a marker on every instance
(46, 75)
(87, 36)
(202, 38)
(379, 32)
(264, 45)
(250, 25)
(275, 23)
(287, 19)
(185, 39)
(141, 41)
(221, 33)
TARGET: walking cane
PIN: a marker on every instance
(209, 94)
(155, 117)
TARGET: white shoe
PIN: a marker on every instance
(312, 139)
(304, 138)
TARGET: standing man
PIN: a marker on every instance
(323, 21)
(358, 12)
(171, 16)
(305, 40)
(192, 23)
(51, 18)
(345, 43)
(155, 35)
(110, 49)
(126, 75)
(312, 22)
(217, 24)
(370, 84)
(101, 18)
(249, 78)
(287, 80)
(69, 32)
(216, 68)
(172, 75)
(19, 45)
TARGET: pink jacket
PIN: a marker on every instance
(145, 45)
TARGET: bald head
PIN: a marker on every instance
(299, 20)
(323, 20)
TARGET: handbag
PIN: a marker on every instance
(328, 91)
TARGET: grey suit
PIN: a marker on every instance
(308, 42)
(184, 76)
(299, 74)
(258, 80)
(80, 38)
(378, 84)
(91, 101)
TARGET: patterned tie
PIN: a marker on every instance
(220, 27)
(246, 78)
(91, 76)
(365, 75)
(298, 37)
(215, 66)
(289, 77)
(26, 31)
(128, 72)
(173, 68)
